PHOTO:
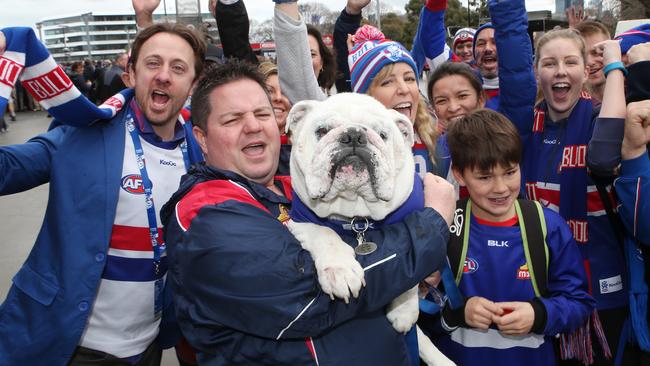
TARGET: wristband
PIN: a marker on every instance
(618, 65)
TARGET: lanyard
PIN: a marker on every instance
(158, 246)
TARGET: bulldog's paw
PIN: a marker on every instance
(403, 311)
(339, 273)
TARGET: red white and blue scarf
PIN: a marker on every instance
(26, 59)
(573, 178)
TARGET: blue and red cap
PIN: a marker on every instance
(371, 52)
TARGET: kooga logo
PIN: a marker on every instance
(167, 162)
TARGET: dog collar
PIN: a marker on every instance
(301, 213)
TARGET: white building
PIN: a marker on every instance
(96, 36)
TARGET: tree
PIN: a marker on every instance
(318, 15)
(392, 25)
(482, 13)
(370, 12)
(634, 9)
(260, 32)
(456, 15)
(328, 19)
(312, 12)
(412, 8)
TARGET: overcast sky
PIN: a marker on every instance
(28, 12)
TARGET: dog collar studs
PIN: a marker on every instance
(363, 247)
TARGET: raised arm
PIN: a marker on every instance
(603, 155)
(346, 24)
(638, 81)
(297, 79)
(633, 185)
(144, 12)
(233, 24)
(429, 43)
(517, 86)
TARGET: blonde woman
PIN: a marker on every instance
(386, 71)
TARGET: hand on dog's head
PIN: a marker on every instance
(351, 156)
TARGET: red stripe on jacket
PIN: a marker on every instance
(212, 193)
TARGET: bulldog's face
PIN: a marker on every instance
(351, 156)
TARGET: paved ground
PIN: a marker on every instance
(21, 214)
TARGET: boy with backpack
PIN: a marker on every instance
(516, 263)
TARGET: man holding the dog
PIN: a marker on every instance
(245, 290)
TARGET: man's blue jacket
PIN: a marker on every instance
(246, 293)
(47, 308)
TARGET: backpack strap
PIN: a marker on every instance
(458, 240)
(533, 234)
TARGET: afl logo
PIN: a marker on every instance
(471, 265)
(132, 183)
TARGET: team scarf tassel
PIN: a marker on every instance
(26, 59)
(578, 344)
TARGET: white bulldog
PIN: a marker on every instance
(351, 157)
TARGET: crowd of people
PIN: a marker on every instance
(533, 158)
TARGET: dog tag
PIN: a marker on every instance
(364, 247)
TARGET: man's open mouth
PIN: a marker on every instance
(159, 99)
(254, 149)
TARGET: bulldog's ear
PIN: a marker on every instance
(297, 115)
(405, 127)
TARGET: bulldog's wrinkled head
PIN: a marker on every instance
(351, 156)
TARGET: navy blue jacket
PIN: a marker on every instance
(246, 293)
